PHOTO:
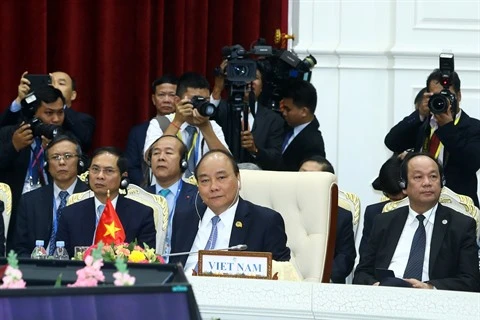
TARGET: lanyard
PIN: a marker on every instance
(440, 145)
(195, 142)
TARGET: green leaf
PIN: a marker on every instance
(12, 259)
(121, 265)
(58, 282)
(97, 252)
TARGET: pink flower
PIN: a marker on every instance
(89, 275)
(12, 279)
(123, 279)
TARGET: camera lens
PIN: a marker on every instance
(240, 70)
(438, 103)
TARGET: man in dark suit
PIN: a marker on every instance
(451, 136)
(303, 139)
(39, 210)
(224, 219)
(426, 244)
(80, 124)
(168, 160)
(261, 142)
(107, 173)
(345, 253)
(387, 182)
(21, 147)
(163, 98)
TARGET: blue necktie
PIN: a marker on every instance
(100, 209)
(414, 267)
(63, 202)
(164, 192)
(212, 239)
(287, 138)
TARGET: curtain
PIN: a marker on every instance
(115, 48)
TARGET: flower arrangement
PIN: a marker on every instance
(128, 252)
(12, 278)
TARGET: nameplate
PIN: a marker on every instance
(236, 264)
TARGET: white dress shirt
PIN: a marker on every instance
(224, 229)
(402, 252)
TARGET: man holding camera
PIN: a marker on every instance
(447, 133)
(191, 121)
(81, 124)
(21, 147)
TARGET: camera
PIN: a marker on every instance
(439, 102)
(204, 107)
(29, 105)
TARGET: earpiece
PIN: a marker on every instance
(124, 182)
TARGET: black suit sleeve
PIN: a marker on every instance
(63, 231)
(8, 154)
(403, 136)
(21, 239)
(147, 233)
(135, 160)
(269, 155)
(81, 125)
(345, 252)
(276, 239)
(468, 276)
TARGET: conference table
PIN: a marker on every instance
(238, 298)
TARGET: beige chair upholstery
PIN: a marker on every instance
(156, 202)
(351, 202)
(308, 203)
(448, 198)
(6, 197)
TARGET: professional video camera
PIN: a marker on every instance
(204, 107)
(439, 102)
(29, 105)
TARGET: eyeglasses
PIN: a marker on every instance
(65, 157)
(163, 95)
(106, 171)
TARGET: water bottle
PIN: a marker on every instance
(39, 251)
(60, 251)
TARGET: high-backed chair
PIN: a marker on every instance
(6, 197)
(156, 202)
(448, 198)
(308, 203)
(351, 202)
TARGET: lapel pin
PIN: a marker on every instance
(444, 221)
(238, 224)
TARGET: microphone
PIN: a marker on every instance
(238, 247)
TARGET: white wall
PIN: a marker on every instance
(373, 57)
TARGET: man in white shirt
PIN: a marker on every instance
(224, 219)
(196, 131)
(425, 244)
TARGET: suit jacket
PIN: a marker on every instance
(35, 218)
(345, 253)
(453, 250)
(371, 212)
(461, 142)
(134, 153)
(77, 223)
(262, 230)
(267, 131)
(2, 231)
(307, 143)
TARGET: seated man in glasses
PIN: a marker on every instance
(79, 221)
(39, 210)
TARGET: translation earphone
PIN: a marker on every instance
(403, 182)
(183, 157)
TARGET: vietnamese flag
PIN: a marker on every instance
(109, 229)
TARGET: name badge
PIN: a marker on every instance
(244, 264)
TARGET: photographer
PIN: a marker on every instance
(79, 123)
(451, 136)
(196, 130)
(21, 147)
(263, 138)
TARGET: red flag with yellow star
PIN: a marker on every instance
(109, 229)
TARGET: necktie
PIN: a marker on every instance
(434, 143)
(99, 213)
(164, 192)
(287, 138)
(212, 239)
(63, 202)
(37, 167)
(192, 132)
(417, 252)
